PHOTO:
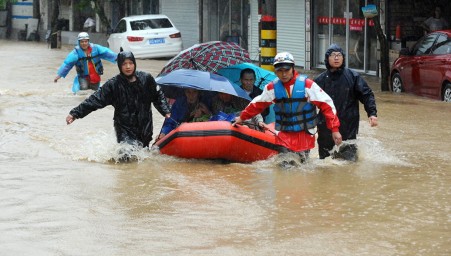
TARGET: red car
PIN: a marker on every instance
(425, 70)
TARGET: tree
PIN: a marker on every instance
(98, 8)
(100, 11)
(7, 5)
(55, 14)
(3, 3)
(385, 62)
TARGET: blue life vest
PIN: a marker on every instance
(296, 113)
(82, 64)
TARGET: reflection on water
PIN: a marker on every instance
(60, 193)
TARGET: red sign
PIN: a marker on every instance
(323, 20)
(356, 28)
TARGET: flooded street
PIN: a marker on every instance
(60, 194)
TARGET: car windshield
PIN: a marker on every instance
(424, 46)
(443, 48)
(150, 24)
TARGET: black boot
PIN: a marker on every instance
(346, 151)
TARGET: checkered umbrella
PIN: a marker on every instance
(209, 56)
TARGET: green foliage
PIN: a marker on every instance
(82, 4)
(97, 7)
(4, 2)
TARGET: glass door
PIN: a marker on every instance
(322, 30)
(362, 48)
(342, 23)
(226, 20)
(330, 27)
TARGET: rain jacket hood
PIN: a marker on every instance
(334, 48)
(121, 57)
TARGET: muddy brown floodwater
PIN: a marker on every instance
(59, 194)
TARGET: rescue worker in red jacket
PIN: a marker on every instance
(296, 99)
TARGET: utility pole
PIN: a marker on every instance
(55, 5)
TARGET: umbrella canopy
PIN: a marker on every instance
(200, 80)
(262, 76)
(209, 56)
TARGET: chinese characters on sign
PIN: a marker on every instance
(354, 24)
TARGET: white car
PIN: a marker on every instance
(147, 36)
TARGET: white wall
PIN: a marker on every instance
(21, 12)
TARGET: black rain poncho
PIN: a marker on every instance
(346, 88)
(132, 105)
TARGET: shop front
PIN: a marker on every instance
(343, 23)
(226, 20)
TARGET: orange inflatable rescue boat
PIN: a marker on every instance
(219, 140)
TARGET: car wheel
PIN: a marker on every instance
(447, 93)
(396, 83)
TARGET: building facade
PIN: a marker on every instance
(303, 27)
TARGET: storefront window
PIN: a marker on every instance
(358, 38)
(226, 20)
(321, 25)
(362, 39)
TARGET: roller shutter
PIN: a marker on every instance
(291, 29)
(181, 11)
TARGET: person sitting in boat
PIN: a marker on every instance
(231, 105)
(247, 80)
(187, 108)
(227, 103)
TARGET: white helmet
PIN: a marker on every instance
(284, 57)
(83, 35)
